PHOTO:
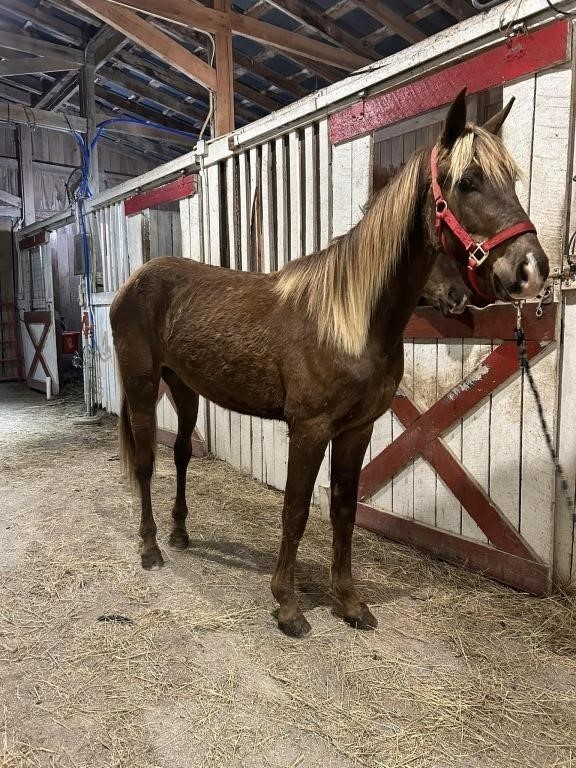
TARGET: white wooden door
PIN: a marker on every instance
(38, 328)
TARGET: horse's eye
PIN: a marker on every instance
(465, 185)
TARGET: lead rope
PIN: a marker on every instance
(525, 366)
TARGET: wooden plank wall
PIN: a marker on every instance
(253, 211)
(258, 211)
(501, 442)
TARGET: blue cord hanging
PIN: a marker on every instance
(84, 190)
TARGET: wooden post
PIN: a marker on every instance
(224, 95)
(88, 111)
(26, 174)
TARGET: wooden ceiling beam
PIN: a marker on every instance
(105, 43)
(393, 20)
(177, 81)
(308, 67)
(190, 12)
(143, 91)
(261, 99)
(322, 23)
(224, 96)
(59, 92)
(253, 66)
(44, 20)
(36, 65)
(458, 9)
(152, 39)
(159, 74)
(10, 92)
(296, 44)
(18, 41)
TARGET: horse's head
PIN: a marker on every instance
(445, 290)
(478, 215)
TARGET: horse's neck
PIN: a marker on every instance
(398, 300)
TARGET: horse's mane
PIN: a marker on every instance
(340, 286)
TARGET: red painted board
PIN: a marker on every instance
(183, 187)
(495, 322)
(32, 241)
(509, 61)
(526, 575)
(496, 369)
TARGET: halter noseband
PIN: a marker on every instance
(477, 252)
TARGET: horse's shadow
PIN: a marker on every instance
(312, 578)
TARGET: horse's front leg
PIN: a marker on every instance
(306, 451)
(348, 451)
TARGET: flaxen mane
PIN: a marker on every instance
(341, 284)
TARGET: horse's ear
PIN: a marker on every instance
(496, 121)
(455, 121)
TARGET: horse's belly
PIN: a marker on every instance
(238, 386)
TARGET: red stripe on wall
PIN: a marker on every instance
(40, 238)
(168, 193)
(509, 61)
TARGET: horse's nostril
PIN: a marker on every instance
(453, 296)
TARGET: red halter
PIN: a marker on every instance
(477, 252)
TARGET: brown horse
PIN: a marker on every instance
(445, 289)
(317, 344)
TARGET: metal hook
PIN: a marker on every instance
(542, 299)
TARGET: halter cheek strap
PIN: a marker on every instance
(477, 252)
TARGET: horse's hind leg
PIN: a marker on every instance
(186, 403)
(141, 392)
(306, 451)
(348, 451)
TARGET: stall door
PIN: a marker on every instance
(36, 308)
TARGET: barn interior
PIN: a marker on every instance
(104, 664)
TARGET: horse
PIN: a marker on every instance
(319, 343)
(445, 289)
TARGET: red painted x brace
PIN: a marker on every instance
(477, 252)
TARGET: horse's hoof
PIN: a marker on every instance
(296, 627)
(364, 620)
(152, 559)
(179, 540)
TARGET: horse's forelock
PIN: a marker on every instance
(487, 150)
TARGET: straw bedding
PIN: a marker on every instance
(461, 673)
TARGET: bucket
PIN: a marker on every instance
(70, 340)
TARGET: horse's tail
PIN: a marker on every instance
(127, 444)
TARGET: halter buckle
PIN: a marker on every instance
(441, 206)
(479, 255)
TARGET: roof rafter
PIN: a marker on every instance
(151, 38)
(393, 20)
(195, 15)
(143, 91)
(43, 20)
(36, 65)
(321, 22)
(185, 86)
(19, 41)
(105, 43)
